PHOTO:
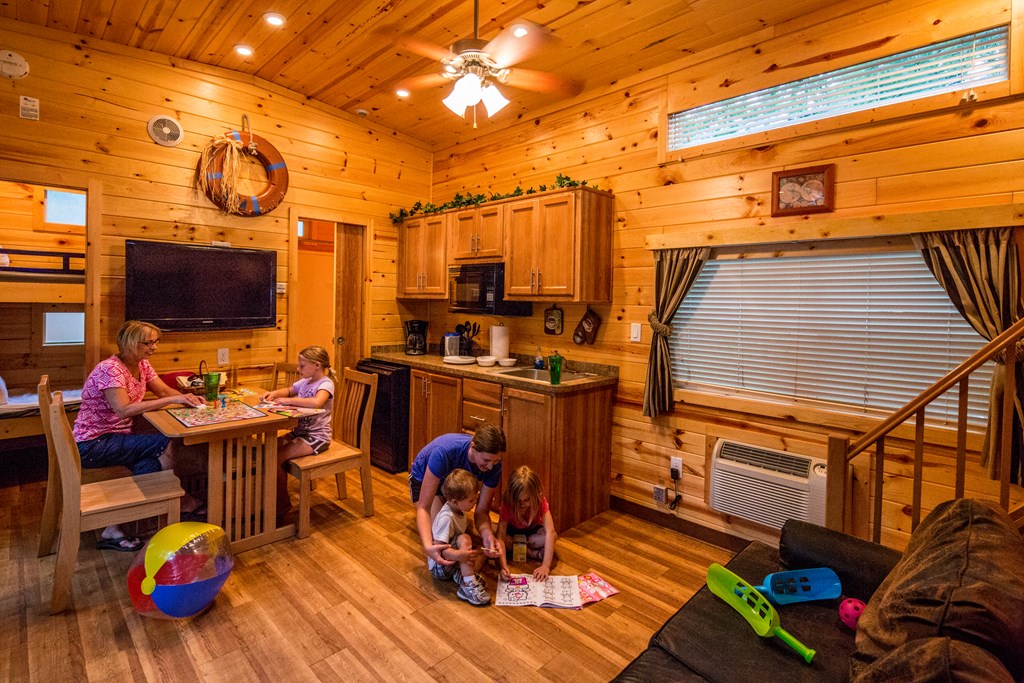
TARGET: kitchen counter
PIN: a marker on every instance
(597, 375)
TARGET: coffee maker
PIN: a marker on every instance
(415, 337)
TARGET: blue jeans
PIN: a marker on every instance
(138, 452)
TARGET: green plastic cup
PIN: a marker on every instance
(555, 368)
(211, 382)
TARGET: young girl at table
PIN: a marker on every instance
(314, 389)
(525, 512)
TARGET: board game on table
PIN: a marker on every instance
(215, 413)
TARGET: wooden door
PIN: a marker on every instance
(419, 424)
(434, 264)
(520, 229)
(528, 436)
(410, 256)
(444, 399)
(555, 246)
(464, 235)
(350, 293)
(490, 240)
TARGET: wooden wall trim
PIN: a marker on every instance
(861, 225)
(93, 272)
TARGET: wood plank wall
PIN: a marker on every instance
(953, 160)
(95, 100)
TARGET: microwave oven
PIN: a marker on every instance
(480, 288)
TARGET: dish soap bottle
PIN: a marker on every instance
(538, 362)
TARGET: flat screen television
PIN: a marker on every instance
(187, 287)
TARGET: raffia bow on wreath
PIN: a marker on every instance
(658, 326)
(234, 152)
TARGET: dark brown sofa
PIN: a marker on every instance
(950, 608)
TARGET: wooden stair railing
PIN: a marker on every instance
(841, 452)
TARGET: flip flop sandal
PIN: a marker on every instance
(124, 544)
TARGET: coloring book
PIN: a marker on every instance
(289, 411)
(572, 592)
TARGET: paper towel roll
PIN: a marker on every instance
(499, 341)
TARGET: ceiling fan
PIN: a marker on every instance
(476, 66)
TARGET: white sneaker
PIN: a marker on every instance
(475, 592)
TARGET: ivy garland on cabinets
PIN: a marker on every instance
(460, 201)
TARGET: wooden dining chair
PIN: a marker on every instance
(264, 371)
(349, 449)
(85, 507)
(285, 375)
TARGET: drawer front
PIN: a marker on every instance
(485, 393)
(474, 413)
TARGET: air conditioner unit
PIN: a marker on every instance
(765, 485)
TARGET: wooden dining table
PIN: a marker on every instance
(241, 470)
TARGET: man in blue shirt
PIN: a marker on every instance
(479, 453)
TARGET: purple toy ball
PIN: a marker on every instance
(849, 612)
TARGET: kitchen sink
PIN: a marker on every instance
(543, 375)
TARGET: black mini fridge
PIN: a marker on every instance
(389, 438)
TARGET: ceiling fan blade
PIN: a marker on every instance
(506, 49)
(542, 81)
(421, 82)
(405, 43)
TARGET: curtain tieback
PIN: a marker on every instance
(658, 326)
(1019, 351)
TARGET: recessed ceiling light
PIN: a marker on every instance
(244, 50)
(519, 31)
(402, 92)
(274, 19)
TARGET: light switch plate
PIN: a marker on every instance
(634, 332)
(282, 287)
(222, 357)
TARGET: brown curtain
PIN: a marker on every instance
(980, 272)
(675, 271)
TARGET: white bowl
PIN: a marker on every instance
(486, 361)
(507, 362)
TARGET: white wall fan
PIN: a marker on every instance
(477, 66)
(165, 131)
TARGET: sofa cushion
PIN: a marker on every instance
(960, 578)
(713, 640)
(936, 660)
(861, 565)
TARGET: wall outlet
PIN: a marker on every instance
(222, 357)
(659, 494)
(634, 332)
(677, 465)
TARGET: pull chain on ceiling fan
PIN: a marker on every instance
(476, 66)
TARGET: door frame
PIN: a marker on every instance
(365, 223)
(34, 174)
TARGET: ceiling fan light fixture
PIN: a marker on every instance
(493, 100)
(466, 93)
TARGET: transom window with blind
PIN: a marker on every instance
(869, 331)
(959, 64)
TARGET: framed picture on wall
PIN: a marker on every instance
(799, 191)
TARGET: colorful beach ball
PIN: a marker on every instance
(180, 570)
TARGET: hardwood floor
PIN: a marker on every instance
(354, 601)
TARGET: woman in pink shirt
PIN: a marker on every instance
(113, 394)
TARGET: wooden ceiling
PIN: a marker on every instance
(335, 52)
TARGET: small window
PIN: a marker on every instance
(952, 65)
(63, 328)
(865, 331)
(59, 210)
(302, 229)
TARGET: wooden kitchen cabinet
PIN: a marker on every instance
(477, 234)
(566, 439)
(422, 268)
(481, 402)
(435, 408)
(558, 247)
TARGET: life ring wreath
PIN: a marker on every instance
(219, 167)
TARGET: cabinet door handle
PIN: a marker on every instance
(538, 280)
(477, 418)
(531, 279)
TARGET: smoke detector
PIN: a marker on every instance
(165, 131)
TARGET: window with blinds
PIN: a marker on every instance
(868, 331)
(961, 63)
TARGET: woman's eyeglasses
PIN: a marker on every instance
(150, 344)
